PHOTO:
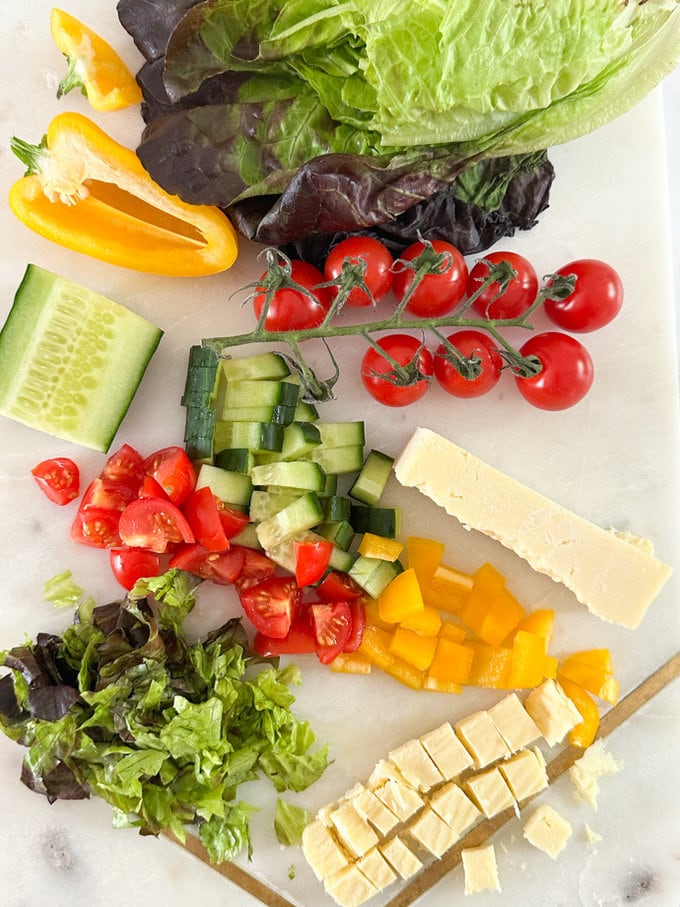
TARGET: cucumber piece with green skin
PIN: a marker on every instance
(342, 434)
(337, 508)
(236, 459)
(385, 521)
(274, 412)
(71, 360)
(199, 387)
(259, 367)
(247, 538)
(251, 392)
(374, 575)
(299, 438)
(372, 479)
(306, 412)
(232, 488)
(303, 513)
(339, 461)
(265, 504)
(256, 436)
(199, 430)
(340, 532)
(294, 474)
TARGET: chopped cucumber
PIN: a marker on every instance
(250, 392)
(337, 508)
(306, 412)
(342, 434)
(265, 504)
(337, 460)
(201, 376)
(260, 367)
(232, 488)
(236, 459)
(303, 513)
(374, 575)
(199, 432)
(296, 474)
(247, 537)
(71, 360)
(275, 412)
(256, 436)
(385, 521)
(371, 481)
(284, 553)
(299, 438)
(339, 532)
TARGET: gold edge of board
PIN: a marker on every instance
(435, 871)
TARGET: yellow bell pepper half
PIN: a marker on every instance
(93, 65)
(87, 192)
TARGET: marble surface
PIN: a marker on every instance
(614, 459)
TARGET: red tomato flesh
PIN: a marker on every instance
(174, 472)
(124, 467)
(223, 568)
(271, 605)
(202, 513)
(59, 479)
(154, 524)
(338, 587)
(311, 561)
(97, 527)
(332, 625)
(131, 564)
(298, 641)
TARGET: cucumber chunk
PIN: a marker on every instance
(342, 434)
(371, 481)
(385, 521)
(302, 514)
(260, 367)
(374, 575)
(337, 460)
(232, 488)
(296, 474)
(71, 360)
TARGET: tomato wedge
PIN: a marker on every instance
(174, 472)
(311, 561)
(338, 587)
(233, 521)
(97, 527)
(150, 488)
(332, 626)
(107, 494)
(202, 513)
(298, 641)
(358, 613)
(222, 568)
(154, 524)
(256, 567)
(59, 479)
(130, 564)
(271, 605)
(124, 467)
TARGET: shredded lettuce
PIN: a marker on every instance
(121, 706)
(290, 821)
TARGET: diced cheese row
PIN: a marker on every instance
(426, 794)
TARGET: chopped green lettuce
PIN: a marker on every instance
(290, 821)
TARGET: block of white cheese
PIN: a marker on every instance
(321, 850)
(548, 830)
(490, 792)
(480, 868)
(615, 575)
(481, 738)
(525, 773)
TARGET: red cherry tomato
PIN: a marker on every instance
(107, 494)
(233, 521)
(377, 276)
(596, 299)
(566, 376)
(58, 478)
(131, 564)
(390, 387)
(256, 567)
(358, 613)
(338, 587)
(222, 567)
(150, 488)
(97, 527)
(292, 309)
(174, 472)
(438, 292)
(298, 641)
(521, 290)
(332, 626)
(271, 605)
(472, 345)
(311, 561)
(202, 512)
(124, 467)
(154, 524)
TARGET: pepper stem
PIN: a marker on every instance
(30, 155)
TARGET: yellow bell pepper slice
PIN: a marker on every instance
(425, 623)
(418, 651)
(447, 588)
(583, 733)
(93, 65)
(401, 598)
(85, 191)
(593, 678)
(490, 666)
(351, 663)
(380, 547)
(424, 555)
(540, 622)
(451, 663)
(529, 665)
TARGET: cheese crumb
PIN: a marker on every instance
(481, 869)
(595, 763)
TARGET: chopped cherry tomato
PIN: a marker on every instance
(338, 587)
(566, 375)
(256, 567)
(97, 527)
(519, 294)
(130, 564)
(298, 641)
(124, 467)
(377, 261)
(154, 524)
(440, 289)
(107, 494)
(58, 478)
(311, 561)
(401, 385)
(292, 309)
(477, 352)
(596, 299)
(150, 488)
(271, 605)
(174, 472)
(233, 521)
(222, 568)
(332, 625)
(203, 515)
(358, 613)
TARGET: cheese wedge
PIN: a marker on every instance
(615, 575)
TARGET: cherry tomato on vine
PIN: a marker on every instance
(439, 292)
(595, 301)
(402, 386)
(566, 375)
(291, 309)
(472, 345)
(521, 290)
(378, 267)
(130, 564)
(58, 478)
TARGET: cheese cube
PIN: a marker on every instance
(552, 710)
(525, 773)
(321, 850)
(455, 807)
(446, 751)
(353, 830)
(614, 575)
(413, 762)
(514, 723)
(400, 799)
(400, 857)
(548, 830)
(490, 792)
(384, 770)
(481, 738)
(376, 869)
(349, 887)
(432, 832)
(374, 811)
(480, 868)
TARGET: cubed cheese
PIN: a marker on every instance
(552, 710)
(481, 738)
(514, 723)
(614, 575)
(376, 869)
(455, 807)
(384, 770)
(400, 857)
(321, 850)
(446, 751)
(400, 799)
(595, 763)
(349, 887)
(525, 773)
(480, 868)
(548, 830)
(412, 760)
(432, 832)
(353, 830)
(374, 811)
(490, 792)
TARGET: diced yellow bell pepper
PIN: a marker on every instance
(416, 650)
(447, 589)
(406, 674)
(529, 665)
(426, 622)
(424, 555)
(433, 685)
(502, 616)
(452, 662)
(487, 583)
(594, 679)
(351, 663)
(375, 646)
(401, 598)
(583, 733)
(490, 666)
(373, 614)
(599, 659)
(454, 632)
(540, 622)
(377, 546)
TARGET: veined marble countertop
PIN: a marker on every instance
(613, 459)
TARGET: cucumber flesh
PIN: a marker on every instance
(260, 367)
(302, 514)
(371, 481)
(71, 360)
